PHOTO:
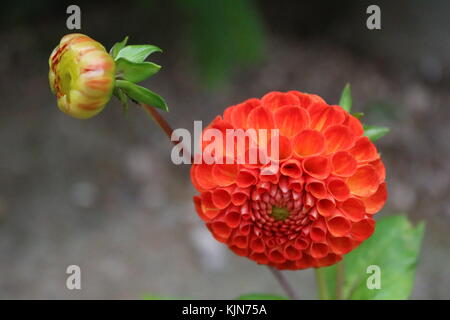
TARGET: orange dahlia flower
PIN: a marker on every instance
(317, 207)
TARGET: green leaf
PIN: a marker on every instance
(135, 71)
(141, 94)
(358, 115)
(261, 296)
(346, 98)
(137, 53)
(394, 248)
(375, 132)
(117, 47)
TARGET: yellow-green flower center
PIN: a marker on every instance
(280, 213)
(68, 74)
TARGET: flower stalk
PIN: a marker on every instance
(159, 119)
(340, 274)
(322, 287)
(284, 283)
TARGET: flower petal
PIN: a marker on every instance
(339, 226)
(353, 209)
(319, 250)
(284, 148)
(338, 137)
(316, 187)
(225, 174)
(317, 167)
(240, 195)
(240, 112)
(364, 150)
(363, 229)
(221, 229)
(326, 207)
(291, 168)
(378, 165)
(375, 202)
(291, 120)
(364, 182)
(203, 176)
(306, 99)
(343, 164)
(354, 125)
(326, 116)
(338, 189)
(246, 178)
(260, 118)
(221, 198)
(275, 100)
(308, 143)
(340, 245)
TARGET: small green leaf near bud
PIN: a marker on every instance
(137, 53)
(135, 71)
(141, 94)
(117, 47)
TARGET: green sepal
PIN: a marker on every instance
(358, 115)
(374, 132)
(137, 53)
(346, 98)
(135, 71)
(117, 47)
(141, 94)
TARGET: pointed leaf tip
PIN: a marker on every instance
(346, 98)
(137, 53)
(117, 47)
(375, 132)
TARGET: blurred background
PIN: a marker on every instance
(103, 193)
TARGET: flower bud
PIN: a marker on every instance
(81, 75)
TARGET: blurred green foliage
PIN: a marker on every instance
(394, 248)
(225, 35)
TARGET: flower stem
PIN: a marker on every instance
(284, 283)
(340, 273)
(160, 121)
(322, 284)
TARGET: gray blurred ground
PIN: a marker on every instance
(104, 195)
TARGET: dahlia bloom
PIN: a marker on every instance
(81, 75)
(317, 207)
